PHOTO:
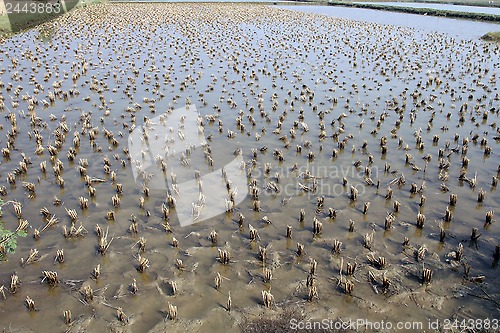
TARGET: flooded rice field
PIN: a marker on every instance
(240, 167)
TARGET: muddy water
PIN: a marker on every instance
(362, 70)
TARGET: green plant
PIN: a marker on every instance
(8, 238)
